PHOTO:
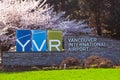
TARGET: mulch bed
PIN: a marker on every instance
(28, 68)
(117, 66)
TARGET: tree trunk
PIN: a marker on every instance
(97, 20)
(4, 48)
(0, 53)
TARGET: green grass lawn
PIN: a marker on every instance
(80, 74)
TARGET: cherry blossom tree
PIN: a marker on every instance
(31, 14)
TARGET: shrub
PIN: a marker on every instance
(97, 62)
(69, 61)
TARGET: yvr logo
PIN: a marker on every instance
(38, 40)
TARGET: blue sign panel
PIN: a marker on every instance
(39, 40)
(23, 40)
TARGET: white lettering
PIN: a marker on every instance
(54, 45)
(23, 45)
(39, 49)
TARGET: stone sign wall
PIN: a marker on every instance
(79, 47)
